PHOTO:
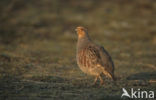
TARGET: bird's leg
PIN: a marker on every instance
(95, 80)
(101, 80)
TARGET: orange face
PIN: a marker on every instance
(81, 31)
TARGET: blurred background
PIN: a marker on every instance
(38, 46)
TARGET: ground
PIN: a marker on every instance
(38, 48)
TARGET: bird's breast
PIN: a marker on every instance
(85, 59)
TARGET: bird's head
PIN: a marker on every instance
(81, 31)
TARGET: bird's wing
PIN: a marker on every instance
(106, 60)
(96, 55)
(92, 56)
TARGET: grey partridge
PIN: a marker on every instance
(91, 58)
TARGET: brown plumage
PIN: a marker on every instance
(92, 58)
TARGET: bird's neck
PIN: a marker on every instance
(83, 42)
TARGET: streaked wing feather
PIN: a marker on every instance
(93, 55)
(90, 57)
(106, 60)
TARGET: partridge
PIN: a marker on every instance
(93, 59)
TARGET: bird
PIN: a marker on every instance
(93, 59)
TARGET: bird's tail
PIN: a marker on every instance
(108, 74)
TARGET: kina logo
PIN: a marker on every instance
(125, 93)
(137, 94)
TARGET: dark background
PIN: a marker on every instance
(38, 47)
